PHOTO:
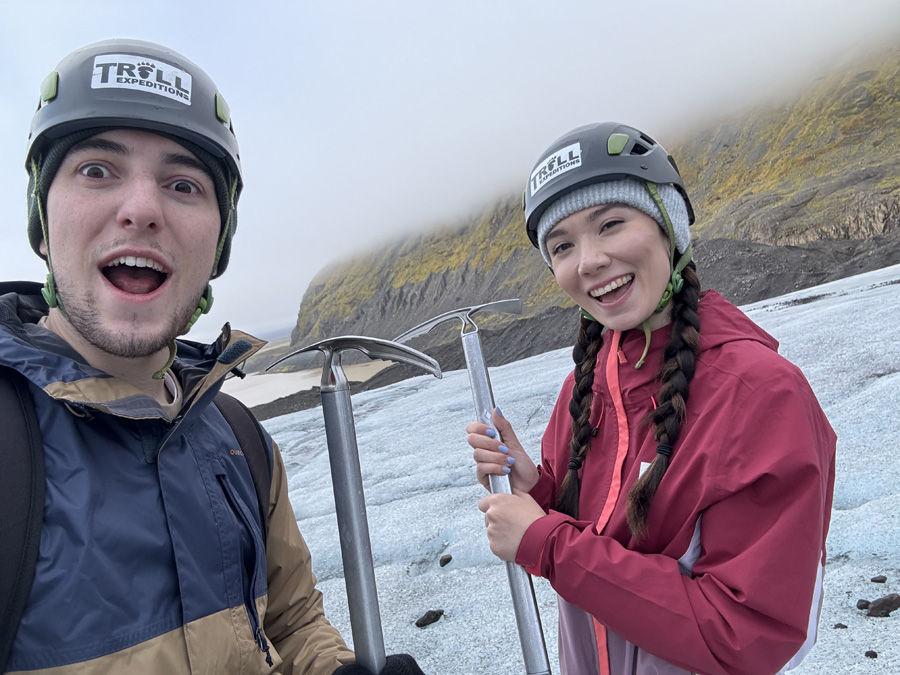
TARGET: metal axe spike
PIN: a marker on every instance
(528, 619)
(349, 501)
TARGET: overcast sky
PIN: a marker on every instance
(360, 121)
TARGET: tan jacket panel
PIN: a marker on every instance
(162, 655)
(294, 618)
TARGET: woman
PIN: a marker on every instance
(682, 502)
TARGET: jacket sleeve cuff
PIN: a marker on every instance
(543, 491)
(531, 548)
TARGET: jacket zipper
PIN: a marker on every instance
(249, 604)
(621, 421)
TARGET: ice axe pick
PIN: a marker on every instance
(528, 619)
(349, 501)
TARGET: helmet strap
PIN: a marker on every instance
(161, 373)
(49, 292)
(646, 328)
(51, 297)
(203, 306)
(670, 230)
(676, 281)
(226, 225)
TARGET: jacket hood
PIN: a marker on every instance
(721, 322)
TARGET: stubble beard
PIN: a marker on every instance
(83, 315)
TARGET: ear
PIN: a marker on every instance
(43, 247)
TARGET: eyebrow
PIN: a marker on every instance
(172, 158)
(100, 144)
(595, 213)
(178, 159)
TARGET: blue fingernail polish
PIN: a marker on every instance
(511, 460)
(503, 449)
(498, 412)
(506, 469)
(490, 433)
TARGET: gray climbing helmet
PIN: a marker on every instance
(594, 153)
(126, 83)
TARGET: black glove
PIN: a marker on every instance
(396, 664)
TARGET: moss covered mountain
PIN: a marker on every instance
(787, 195)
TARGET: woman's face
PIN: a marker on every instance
(613, 261)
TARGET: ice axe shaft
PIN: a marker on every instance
(346, 476)
(353, 526)
(528, 619)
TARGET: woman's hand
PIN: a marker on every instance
(506, 518)
(501, 458)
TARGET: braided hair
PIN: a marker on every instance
(587, 346)
(675, 375)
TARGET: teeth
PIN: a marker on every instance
(612, 285)
(134, 261)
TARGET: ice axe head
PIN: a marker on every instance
(333, 377)
(464, 314)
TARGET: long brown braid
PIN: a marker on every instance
(587, 346)
(675, 376)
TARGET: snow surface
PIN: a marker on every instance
(421, 492)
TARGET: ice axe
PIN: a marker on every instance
(349, 501)
(528, 619)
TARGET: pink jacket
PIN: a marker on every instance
(728, 579)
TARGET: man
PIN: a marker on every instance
(155, 553)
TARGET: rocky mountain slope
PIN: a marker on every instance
(788, 195)
(824, 165)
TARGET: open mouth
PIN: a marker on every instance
(614, 289)
(138, 276)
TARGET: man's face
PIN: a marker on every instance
(133, 223)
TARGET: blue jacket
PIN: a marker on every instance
(152, 556)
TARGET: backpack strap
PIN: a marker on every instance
(252, 440)
(21, 503)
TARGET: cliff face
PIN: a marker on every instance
(825, 165)
(821, 172)
(392, 289)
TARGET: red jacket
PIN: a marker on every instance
(728, 578)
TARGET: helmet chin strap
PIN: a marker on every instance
(676, 282)
(49, 290)
(203, 306)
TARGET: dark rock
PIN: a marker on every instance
(308, 398)
(884, 606)
(839, 625)
(445, 560)
(880, 579)
(429, 617)
(862, 604)
(871, 655)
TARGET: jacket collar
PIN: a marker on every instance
(53, 366)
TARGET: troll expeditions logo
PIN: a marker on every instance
(125, 71)
(556, 164)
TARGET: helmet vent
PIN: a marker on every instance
(649, 141)
(639, 149)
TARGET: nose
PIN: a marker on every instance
(592, 258)
(141, 206)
